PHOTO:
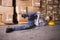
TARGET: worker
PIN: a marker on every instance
(31, 23)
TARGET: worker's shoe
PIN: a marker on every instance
(8, 30)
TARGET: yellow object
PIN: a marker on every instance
(51, 23)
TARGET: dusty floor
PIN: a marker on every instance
(38, 33)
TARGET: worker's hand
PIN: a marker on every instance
(24, 15)
(36, 22)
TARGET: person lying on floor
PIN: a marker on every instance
(30, 24)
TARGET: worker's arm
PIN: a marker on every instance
(38, 18)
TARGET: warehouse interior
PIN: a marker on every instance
(10, 17)
(18, 7)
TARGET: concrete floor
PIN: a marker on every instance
(38, 33)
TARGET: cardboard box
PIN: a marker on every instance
(29, 3)
(49, 12)
(23, 3)
(55, 9)
(8, 10)
(59, 11)
(1, 22)
(43, 1)
(44, 12)
(55, 1)
(59, 5)
(22, 20)
(50, 1)
(0, 17)
(7, 3)
(36, 3)
(7, 18)
(54, 12)
(44, 6)
(49, 7)
(7, 14)
(32, 9)
(55, 6)
(0, 2)
(21, 10)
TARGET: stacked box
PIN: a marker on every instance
(50, 1)
(22, 20)
(21, 10)
(29, 3)
(49, 12)
(44, 2)
(8, 10)
(24, 11)
(32, 9)
(23, 3)
(36, 3)
(7, 14)
(49, 7)
(7, 3)
(0, 2)
(44, 7)
(20, 3)
(7, 18)
(59, 5)
(59, 13)
(44, 12)
(55, 8)
(0, 17)
(59, 9)
(55, 1)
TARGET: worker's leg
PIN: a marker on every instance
(16, 28)
(21, 27)
(26, 26)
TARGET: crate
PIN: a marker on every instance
(0, 17)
